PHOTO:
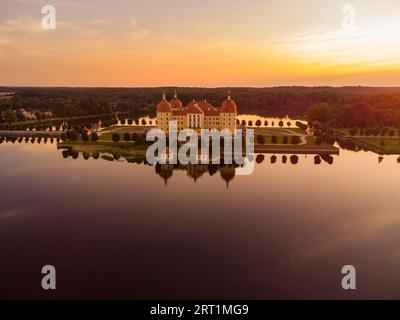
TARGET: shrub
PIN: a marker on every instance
(84, 136)
(353, 132)
(296, 140)
(127, 137)
(94, 136)
(294, 159)
(285, 140)
(115, 137)
(260, 139)
(260, 158)
(72, 135)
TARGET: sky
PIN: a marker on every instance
(208, 43)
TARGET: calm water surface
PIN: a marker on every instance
(117, 230)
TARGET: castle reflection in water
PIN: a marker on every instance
(195, 171)
(226, 172)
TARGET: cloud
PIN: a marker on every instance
(373, 44)
(137, 33)
(54, 3)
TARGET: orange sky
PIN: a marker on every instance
(212, 43)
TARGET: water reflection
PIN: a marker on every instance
(106, 219)
(166, 171)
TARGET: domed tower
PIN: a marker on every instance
(228, 114)
(176, 103)
(164, 114)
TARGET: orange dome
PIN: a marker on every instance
(176, 103)
(229, 106)
(164, 106)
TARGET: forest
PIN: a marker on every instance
(330, 104)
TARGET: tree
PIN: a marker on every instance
(353, 131)
(260, 158)
(9, 116)
(274, 139)
(258, 123)
(94, 136)
(127, 137)
(84, 136)
(295, 140)
(115, 137)
(294, 159)
(72, 135)
(260, 139)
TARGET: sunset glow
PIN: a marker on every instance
(187, 43)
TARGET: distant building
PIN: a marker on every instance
(196, 115)
(29, 115)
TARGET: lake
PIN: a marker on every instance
(116, 229)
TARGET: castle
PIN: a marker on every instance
(196, 115)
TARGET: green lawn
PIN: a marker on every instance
(391, 145)
(309, 145)
(278, 131)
